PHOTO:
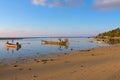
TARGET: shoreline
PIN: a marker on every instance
(100, 63)
(32, 58)
(17, 38)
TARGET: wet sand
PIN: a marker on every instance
(101, 63)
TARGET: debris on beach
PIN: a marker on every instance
(20, 69)
(15, 65)
(29, 69)
(46, 60)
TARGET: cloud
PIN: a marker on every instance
(58, 3)
(39, 2)
(107, 4)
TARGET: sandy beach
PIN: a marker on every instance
(101, 63)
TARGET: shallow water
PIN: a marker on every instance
(33, 46)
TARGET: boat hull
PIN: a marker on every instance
(54, 42)
(12, 46)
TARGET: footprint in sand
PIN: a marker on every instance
(15, 65)
(37, 61)
(67, 62)
(20, 69)
(34, 76)
(29, 69)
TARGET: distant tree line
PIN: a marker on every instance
(112, 33)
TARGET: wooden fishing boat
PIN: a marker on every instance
(55, 42)
(11, 45)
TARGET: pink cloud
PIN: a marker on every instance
(107, 4)
(39, 2)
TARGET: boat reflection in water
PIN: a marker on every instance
(58, 43)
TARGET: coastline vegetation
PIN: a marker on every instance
(111, 37)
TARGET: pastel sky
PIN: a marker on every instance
(37, 18)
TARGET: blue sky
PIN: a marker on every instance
(58, 17)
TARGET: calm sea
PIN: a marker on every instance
(33, 46)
